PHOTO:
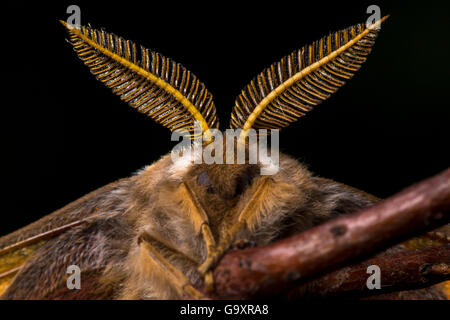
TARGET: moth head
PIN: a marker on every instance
(222, 180)
(171, 95)
(222, 193)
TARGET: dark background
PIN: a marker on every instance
(64, 134)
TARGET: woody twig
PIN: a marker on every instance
(278, 267)
(398, 270)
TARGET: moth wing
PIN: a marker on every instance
(12, 261)
(18, 247)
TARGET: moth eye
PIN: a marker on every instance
(244, 181)
(203, 180)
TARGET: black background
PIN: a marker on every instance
(65, 134)
(320, 309)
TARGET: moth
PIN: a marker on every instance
(159, 233)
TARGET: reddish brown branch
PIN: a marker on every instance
(399, 271)
(434, 292)
(273, 268)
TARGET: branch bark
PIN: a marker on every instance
(263, 271)
(399, 271)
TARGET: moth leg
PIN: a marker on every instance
(175, 275)
(244, 218)
(201, 223)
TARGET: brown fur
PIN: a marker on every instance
(106, 247)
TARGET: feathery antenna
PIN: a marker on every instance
(288, 89)
(146, 80)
